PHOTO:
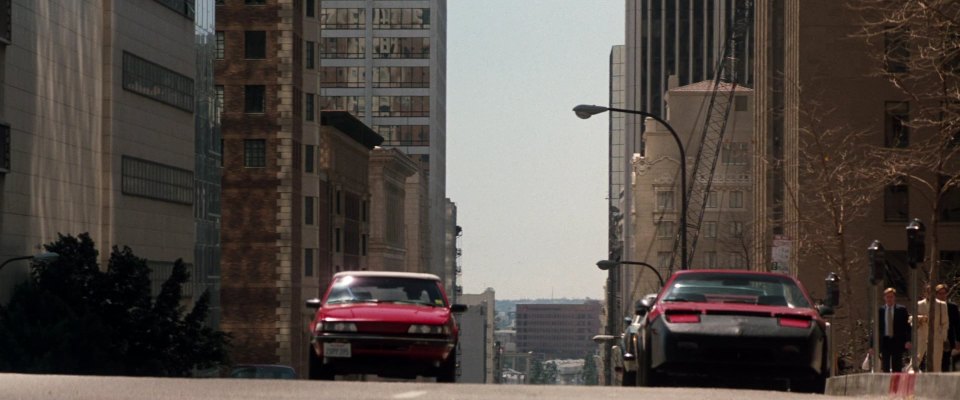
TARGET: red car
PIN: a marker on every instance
(720, 327)
(392, 324)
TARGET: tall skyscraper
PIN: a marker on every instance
(385, 62)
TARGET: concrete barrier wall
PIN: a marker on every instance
(897, 386)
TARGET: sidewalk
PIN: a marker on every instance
(924, 386)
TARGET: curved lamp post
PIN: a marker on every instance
(586, 111)
(42, 258)
(607, 264)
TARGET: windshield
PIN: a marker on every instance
(736, 288)
(353, 289)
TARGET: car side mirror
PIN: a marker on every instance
(824, 309)
(458, 308)
(644, 305)
(313, 303)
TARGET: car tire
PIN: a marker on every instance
(629, 378)
(447, 372)
(317, 371)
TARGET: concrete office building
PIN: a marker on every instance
(802, 88)
(385, 62)
(108, 128)
(553, 331)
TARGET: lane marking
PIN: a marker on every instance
(410, 395)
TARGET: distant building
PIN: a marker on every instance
(558, 330)
(478, 350)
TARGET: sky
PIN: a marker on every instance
(528, 177)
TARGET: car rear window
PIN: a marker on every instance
(736, 288)
(353, 289)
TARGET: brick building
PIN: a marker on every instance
(558, 331)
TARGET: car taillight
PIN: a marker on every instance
(794, 322)
(683, 318)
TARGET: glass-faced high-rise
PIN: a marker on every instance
(385, 62)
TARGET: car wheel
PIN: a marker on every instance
(645, 375)
(629, 378)
(316, 369)
(447, 372)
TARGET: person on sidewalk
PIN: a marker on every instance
(933, 362)
(952, 345)
(894, 332)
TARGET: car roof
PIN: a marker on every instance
(388, 274)
(732, 272)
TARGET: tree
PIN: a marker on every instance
(921, 56)
(73, 318)
(589, 375)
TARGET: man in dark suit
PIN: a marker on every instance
(953, 334)
(894, 332)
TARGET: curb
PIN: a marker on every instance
(933, 386)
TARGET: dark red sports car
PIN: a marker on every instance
(730, 326)
(393, 324)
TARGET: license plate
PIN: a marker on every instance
(337, 350)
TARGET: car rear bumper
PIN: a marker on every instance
(725, 346)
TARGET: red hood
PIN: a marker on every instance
(387, 312)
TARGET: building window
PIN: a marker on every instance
(253, 99)
(309, 56)
(254, 153)
(740, 103)
(4, 148)
(309, 208)
(342, 47)
(404, 135)
(896, 50)
(665, 229)
(737, 261)
(949, 202)
(710, 260)
(713, 199)
(309, 158)
(664, 259)
(156, 82)
(363, 244)
(343, 77)
(221, 44)
(156, 181)
(896, 202)
(364, 211)
(308, 262)
(255, 2)
(352, 104)
(401, 106)
(401, 77)
(219, 2)
(736, 199)
(219, 104)
(342, 18)
(310, 8)
(401, 47)
(6, 28)
(337, 240)
(401, 18)
(896, 120)
(308, 109)
(255, 45)
(710, 229)
(664, 200)
(736, 229)
(339, 202)
(182, 7)
(734, 154)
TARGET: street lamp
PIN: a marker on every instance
(42, 258)
(586, 111)
(876, 256)
(608, 264)
(915, 255)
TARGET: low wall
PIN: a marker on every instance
(897, 386)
